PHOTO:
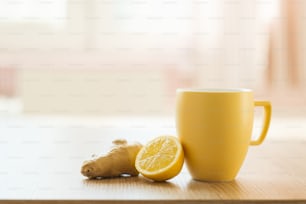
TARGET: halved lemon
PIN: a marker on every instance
(161, 159)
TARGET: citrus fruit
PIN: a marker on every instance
(161, 159)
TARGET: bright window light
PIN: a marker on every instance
(268, 10)
(50, 11)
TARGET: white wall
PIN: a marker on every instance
(98, 92)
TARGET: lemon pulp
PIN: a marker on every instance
(161, 159)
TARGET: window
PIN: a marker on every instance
(50, 11)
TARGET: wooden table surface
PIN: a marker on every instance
(42, 165)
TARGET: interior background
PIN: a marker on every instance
(109, 58)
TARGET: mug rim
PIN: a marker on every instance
(214, 90)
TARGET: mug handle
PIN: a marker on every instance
(267, 118)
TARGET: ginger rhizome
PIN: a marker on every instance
(120, 160)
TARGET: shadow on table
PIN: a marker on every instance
(136, 181)
(223, 190)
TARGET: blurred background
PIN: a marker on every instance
(114, 58)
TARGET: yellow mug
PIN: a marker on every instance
(215, 129)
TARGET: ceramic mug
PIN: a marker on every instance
(215, 129)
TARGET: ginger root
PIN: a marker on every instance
(120, 160)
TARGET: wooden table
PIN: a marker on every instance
(42, 165)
